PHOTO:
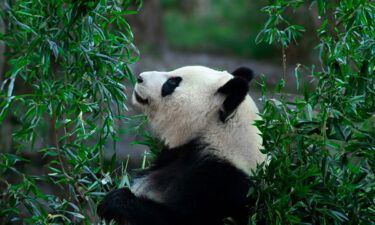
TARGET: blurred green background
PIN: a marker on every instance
(215, 26)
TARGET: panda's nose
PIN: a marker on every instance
(140, 79)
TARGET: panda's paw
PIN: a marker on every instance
(113, 207)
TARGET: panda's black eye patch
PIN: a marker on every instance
(170, 85)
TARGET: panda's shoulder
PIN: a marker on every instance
(183, 153)
(197, 159)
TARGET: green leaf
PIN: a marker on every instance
(298, 75)
(321, 7)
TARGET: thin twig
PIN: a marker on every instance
(283, 52)
(56, 144)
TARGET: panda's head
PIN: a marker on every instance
(187, 102)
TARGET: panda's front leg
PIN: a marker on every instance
(124, 207)
(114, 204)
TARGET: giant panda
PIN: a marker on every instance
(205, 118)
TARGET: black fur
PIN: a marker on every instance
(197, 188)
(235, 91)
(170, 85)
(124, 207)
(244, 72)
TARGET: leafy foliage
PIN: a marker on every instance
(71, 57)
(322, 145)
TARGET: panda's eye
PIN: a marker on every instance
(173, 81)
(170, 85)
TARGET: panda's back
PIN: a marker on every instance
(194, 183)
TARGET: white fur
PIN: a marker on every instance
(193, 111)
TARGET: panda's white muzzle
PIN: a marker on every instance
(139, 99)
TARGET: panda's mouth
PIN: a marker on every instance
(139, 99)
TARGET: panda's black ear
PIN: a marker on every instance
(235, 91)
(244, 72)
